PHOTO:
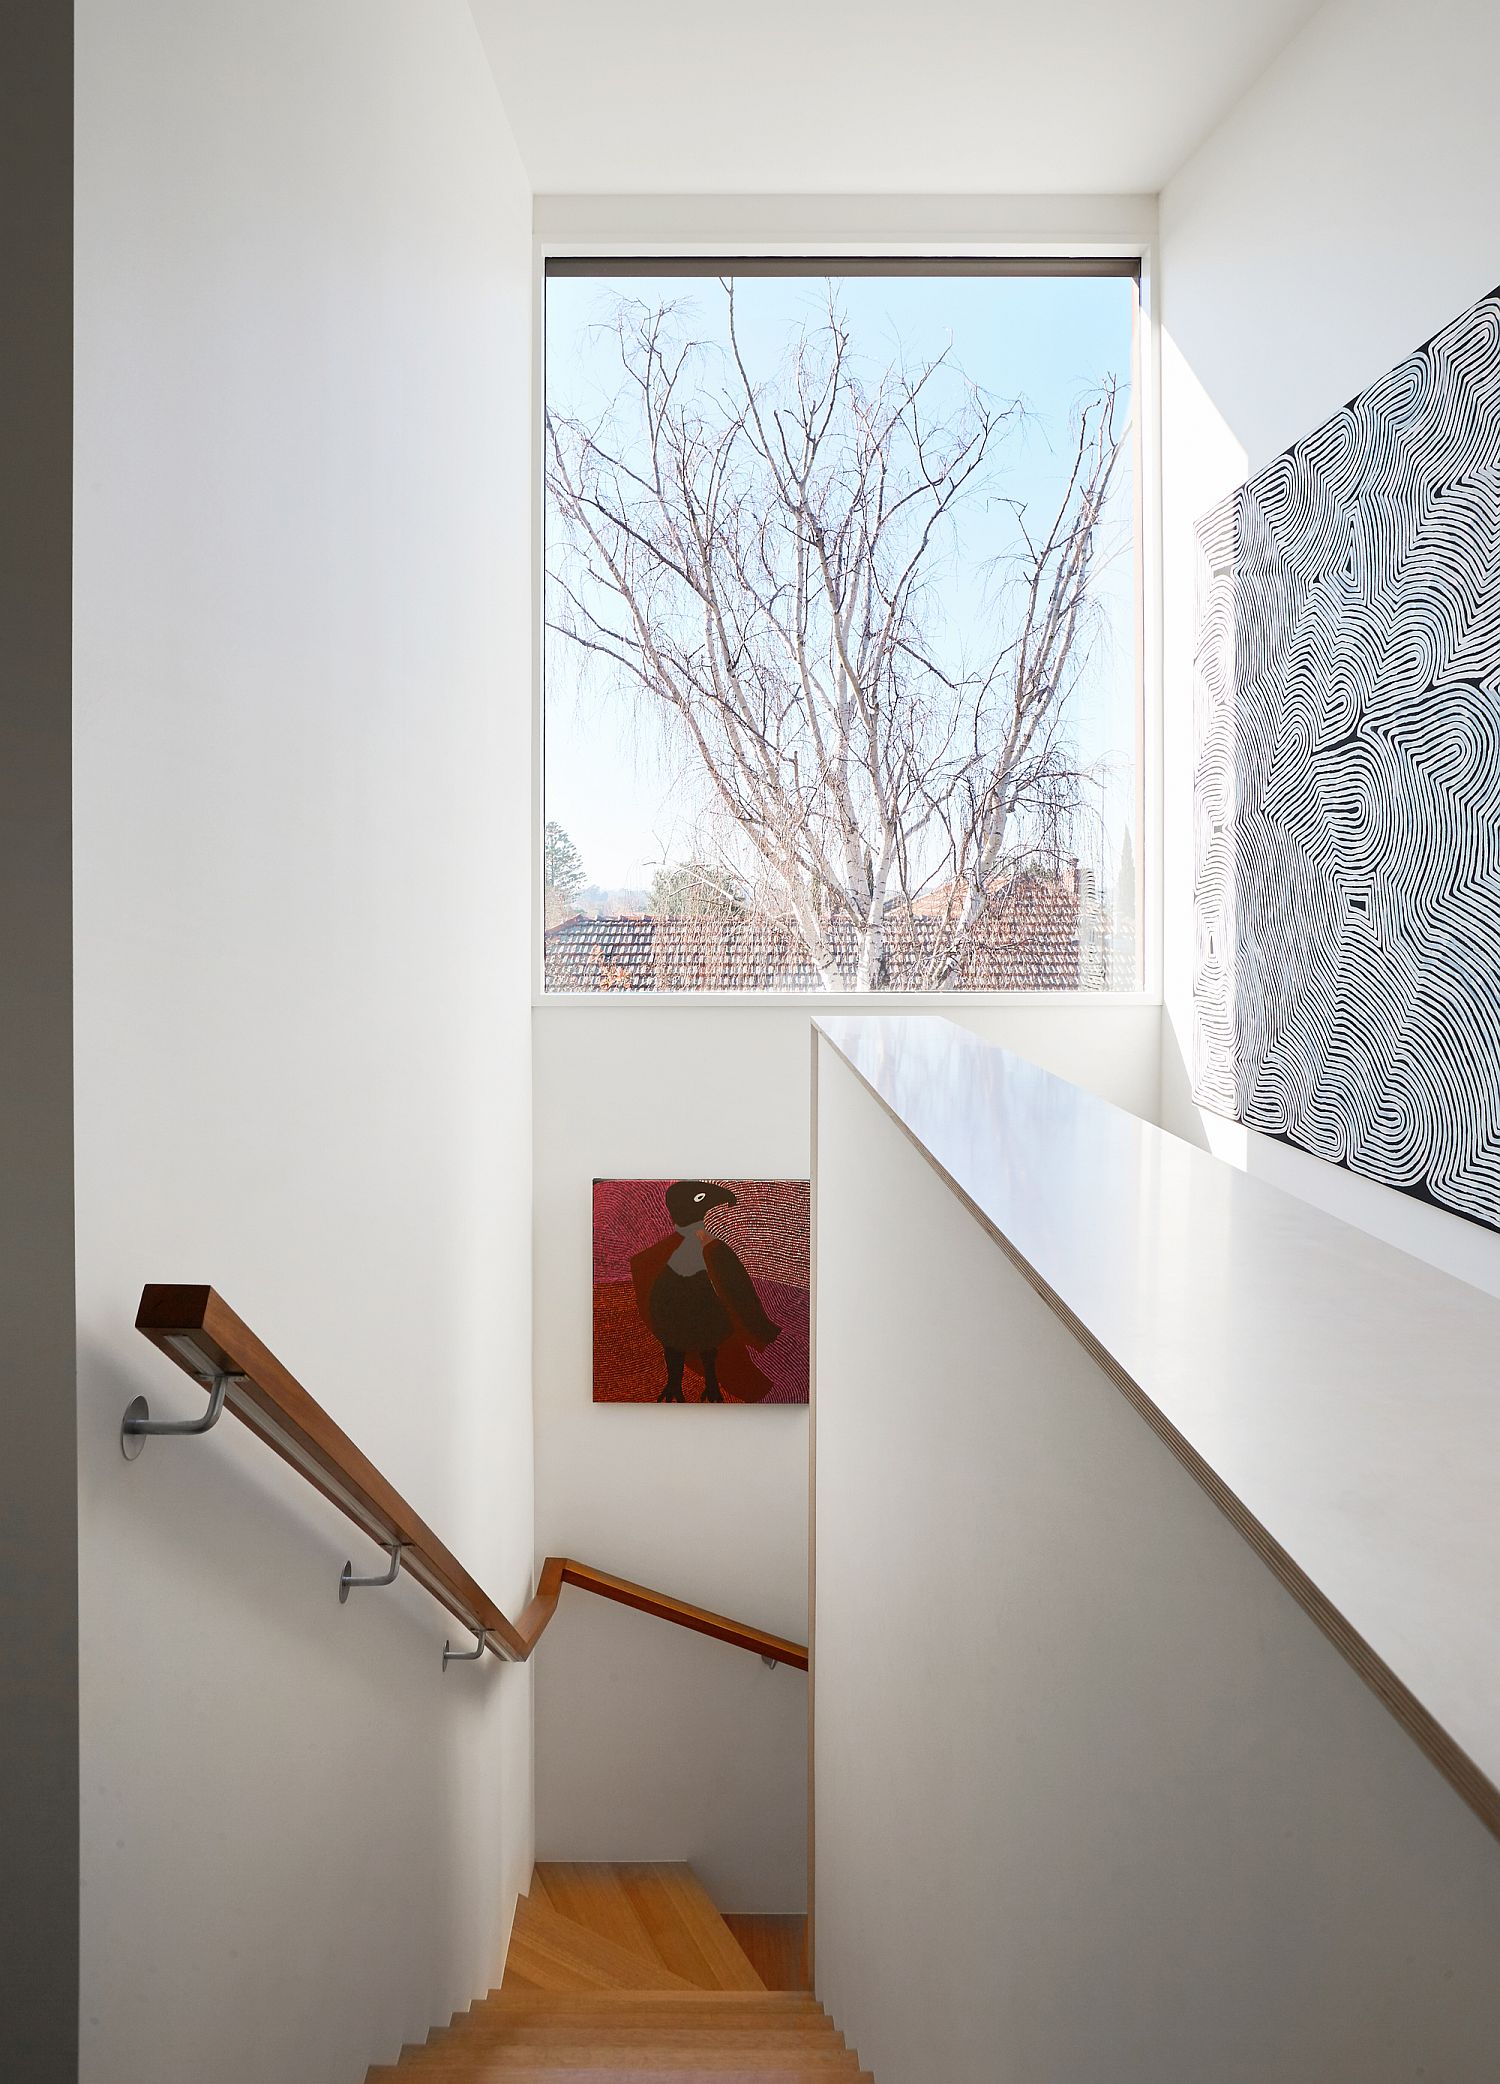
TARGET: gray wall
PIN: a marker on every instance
(38, 1531)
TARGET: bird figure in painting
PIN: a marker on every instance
(700, 1302)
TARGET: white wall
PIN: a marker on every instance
(705, 1753)
(1343, 212)
(1097, 1803)
(302, 869)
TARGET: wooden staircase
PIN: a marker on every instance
(626, 1974)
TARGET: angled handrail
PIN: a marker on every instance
(775, 1649)
(196, 1329)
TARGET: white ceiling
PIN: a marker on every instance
(921, 97)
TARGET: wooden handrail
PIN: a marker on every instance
(698, 1618)
(196, 1328)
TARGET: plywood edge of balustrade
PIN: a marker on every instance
(269, 1391)
(699, 1619)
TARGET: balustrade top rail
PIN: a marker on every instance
(197, 1330)
(1337, 1399)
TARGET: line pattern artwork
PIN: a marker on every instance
(1347, 784)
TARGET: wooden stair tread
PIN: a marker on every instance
(642, 2007)
(549, 1951)
(489, 2069)
(595, 1897)
(625, 1974)
(657, 1909)
(776, 1948)
(715, 2003)
(794, 2046)
(829, 2062)
(670, 2033)
(506, 2073)
(686, 1929)
(634, 2033)
(513, 2024)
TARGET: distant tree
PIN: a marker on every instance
(562, 864)
(759, 562)
(1125, 886)
(697, 890)
(563, 873)
(1123, 970)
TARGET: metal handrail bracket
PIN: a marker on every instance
(452, 1656)
(348, 1582)
(137, 1425)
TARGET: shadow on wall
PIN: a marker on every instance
(1179, 1112)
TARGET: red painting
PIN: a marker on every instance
(701, 1291)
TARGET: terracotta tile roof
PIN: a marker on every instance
(1029, 941)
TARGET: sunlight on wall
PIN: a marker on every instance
(1202, 460)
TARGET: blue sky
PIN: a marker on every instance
(628, 798)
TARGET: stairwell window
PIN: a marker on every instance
(842, 685)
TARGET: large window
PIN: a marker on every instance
(841, 677)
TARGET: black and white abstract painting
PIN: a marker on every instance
(1347, 784)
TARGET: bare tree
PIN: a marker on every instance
(763, 563)
(697, 890)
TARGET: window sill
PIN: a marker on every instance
(847, 1001)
